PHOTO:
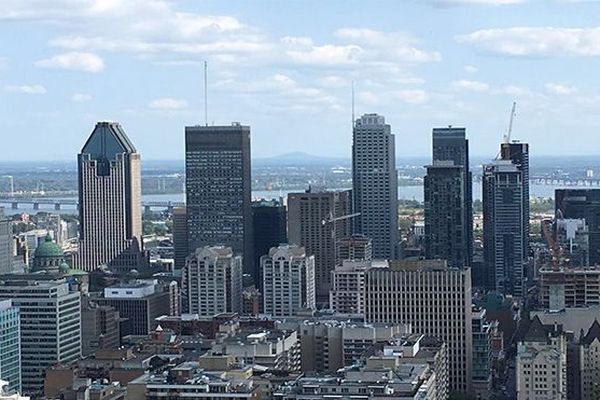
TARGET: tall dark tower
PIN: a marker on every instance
(110, 215)
(518, 154)
(375, 184)
(218, 189)
(270, 230)
(449, 199)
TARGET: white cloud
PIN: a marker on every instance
(81, 97)
(542, 41)
(327, 55)
(470, 69)
(332, 81)
(26, 89)
(478, 2)
(557, 88)
(75, 61)
(473, 86)
(168, 104)
(416, 96)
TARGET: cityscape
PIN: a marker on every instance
(369, 272)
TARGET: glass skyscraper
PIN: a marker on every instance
(10, 345)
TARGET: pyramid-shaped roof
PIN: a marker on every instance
(593, 333)
(106, 141)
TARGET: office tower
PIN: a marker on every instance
(541, 365)
(418, 293)
(347, 295)
(138, 303)
(10, 345)
(316, 221)
(100, 327)
(518, 154)
(269, 218)
(504, 256)
(218, 189)
(482, 363)
(288, 280)
(110, 215)
(582, 204)
(354, 248)
(6, 245)
(50, 327)
(212, 282)
(180, 238)
(448, 199)
(375, 184)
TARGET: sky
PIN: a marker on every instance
(286, 69)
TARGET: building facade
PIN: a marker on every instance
(10, 345)
(50, 327)
(418, 293)
(354, 248)
(288, 281)
(348, 288)
(568, 288)
(312, 224)
(448, 199)
(375, 184)
(100, 327)
(503, 214)
(269, 218)
(110, 216)
(518, 154)
(541, 365)
(218, 189)
(212, 281)
(180, 237)
(6, 244)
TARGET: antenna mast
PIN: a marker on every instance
(205, 93)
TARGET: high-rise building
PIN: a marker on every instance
(419, 293)
(589, 350)
(448, 199)
(218, 189)
(347, 295)
(518, 154)
(212, 282)
(483, 332)
(100, 327)
(10, 345)
(6, 245)
(50, 327)
(355, 248)
(138, 303)
(180, 237)
(582, 204)
(569, 288)
(313, 224)
(288, 280)
(270, 230)
(504, 255)
(110, 215)
(375, 184)
(541, 365)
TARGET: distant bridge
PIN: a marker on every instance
(16, 202)
(581, 182)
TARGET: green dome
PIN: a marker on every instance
(48, 249)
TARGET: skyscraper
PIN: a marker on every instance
(110, 215)
(375, 184)
(288, 280)
(418, 293)
(10, 345)
(312, 224)
(448, 199)
(518, 154)
(584, 204)
(212, 281)
(270, 230)
(503, 228)
(180, 237)
(6, 245)
(218, 189)
(50, 327)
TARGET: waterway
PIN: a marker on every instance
(404, 192)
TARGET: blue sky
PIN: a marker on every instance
(285, 68)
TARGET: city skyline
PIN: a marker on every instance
(292, 83)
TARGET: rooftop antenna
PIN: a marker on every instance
(352, 104)
(205, 93)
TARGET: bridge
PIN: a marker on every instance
(58, 204)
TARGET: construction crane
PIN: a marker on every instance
(510, 124)
(331, 219)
